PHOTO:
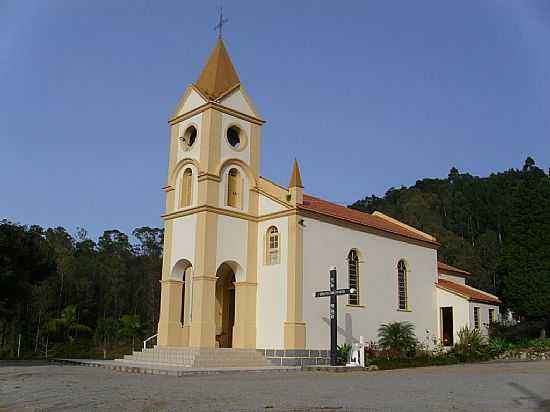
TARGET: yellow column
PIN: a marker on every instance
(202, 332)
(170, 327)
(295, 327)
(244, 331)
(203, 322)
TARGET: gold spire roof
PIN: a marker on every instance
(219, 75)
(296, 179)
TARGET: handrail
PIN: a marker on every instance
(148, 339)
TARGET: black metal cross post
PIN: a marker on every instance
(218, 27)
(333, 292)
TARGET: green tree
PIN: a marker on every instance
(130, 326)
(68, 324)
(526, 258)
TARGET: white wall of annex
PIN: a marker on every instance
(272, 289)
(483, 316)
(461, 308)
(327, 245)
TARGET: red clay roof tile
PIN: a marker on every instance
(319, 206)
(467, 292)
(443, 267)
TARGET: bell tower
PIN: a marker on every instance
(211, 205)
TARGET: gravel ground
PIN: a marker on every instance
(517, 386)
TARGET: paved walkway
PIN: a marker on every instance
(517, 386)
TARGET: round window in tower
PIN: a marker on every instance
(235, 137)
(189, 137)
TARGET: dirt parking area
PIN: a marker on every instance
(517, 386)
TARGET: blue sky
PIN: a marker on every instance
(366, 94)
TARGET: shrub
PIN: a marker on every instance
(471, 345)
(539, 344)
(497, 346)
(342, 354)
(520, 332)
(398, 337)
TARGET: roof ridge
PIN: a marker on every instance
(381, 215)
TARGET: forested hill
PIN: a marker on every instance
(497, 227)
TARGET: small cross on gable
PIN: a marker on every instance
(220, 24)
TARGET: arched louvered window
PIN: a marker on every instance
(272, 246)
(353, 277)
(402, 280)
(234, 189)
(186, 190)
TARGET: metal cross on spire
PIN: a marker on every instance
(220, 24)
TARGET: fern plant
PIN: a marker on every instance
(397, 337)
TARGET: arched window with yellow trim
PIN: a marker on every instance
(234, 189)
(353, 277)
(272, 246)
(402, 285)
(186, 189)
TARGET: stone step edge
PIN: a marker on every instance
(173, 372)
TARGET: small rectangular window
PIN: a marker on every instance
(492, 316)
(476, 317)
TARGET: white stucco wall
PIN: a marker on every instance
(268, 206)
(236, 101)
(327, 245)
(461, 311)
(455, 279)
(232, 242)
(271, 290)
(483, 315)
(192, 101)
(183, 239)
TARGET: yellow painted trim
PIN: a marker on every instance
(227, 93)
(212, 105)
(183, 98)
(404, 310)
(242, 135)
(227, 163)
(294, 326)
(227, 212)
(178, 167)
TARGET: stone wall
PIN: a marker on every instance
(525, 355)
(296, 357)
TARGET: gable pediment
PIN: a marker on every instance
(190, 100)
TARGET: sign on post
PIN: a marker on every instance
(333, 292)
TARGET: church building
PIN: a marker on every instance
(243, 255)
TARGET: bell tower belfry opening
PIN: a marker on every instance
(211, 201)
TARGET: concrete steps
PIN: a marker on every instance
(196, 357)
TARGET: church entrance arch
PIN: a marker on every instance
(225, 306)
